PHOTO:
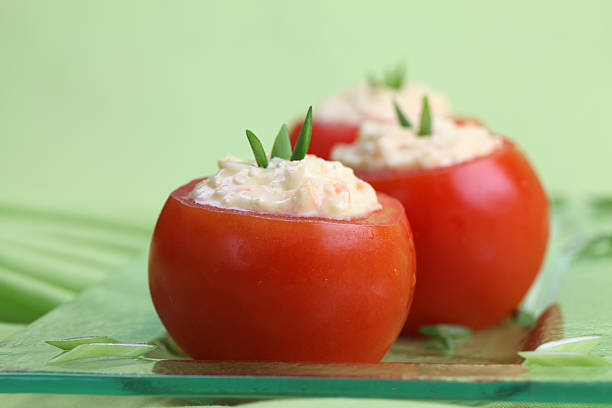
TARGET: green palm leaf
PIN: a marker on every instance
(47, 257)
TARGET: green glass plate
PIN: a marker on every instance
(484, 368)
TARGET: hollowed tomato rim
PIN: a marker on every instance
(391, 209)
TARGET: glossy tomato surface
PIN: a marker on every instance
(325, 135)
(239, 285)
(480, 230)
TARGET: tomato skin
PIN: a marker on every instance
(236, 285)
(326, 134)
(480, 230)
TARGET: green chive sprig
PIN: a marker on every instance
(392, 79)
(303, 141)
(401, 117)
(258, 150)
(395, 77)
(425, 124)
(282, 143)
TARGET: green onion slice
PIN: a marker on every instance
(445, 346)
(69, 344)
(103, 350)
(451, 331)
(445, 336)
(258, 150)
(525, 318)
(599, 246)
(572, 352)
(303, 141)
(575, 344)
(562, 359)
(282, 144)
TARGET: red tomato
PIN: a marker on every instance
(240, 285)
(480, 231)
(325, 135)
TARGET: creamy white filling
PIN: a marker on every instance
(389, 146)
(364, 102)
(311, 187)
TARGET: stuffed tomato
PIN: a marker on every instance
(479, 215)
(282, 260)
(338, 117)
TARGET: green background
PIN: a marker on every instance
(106, 106)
